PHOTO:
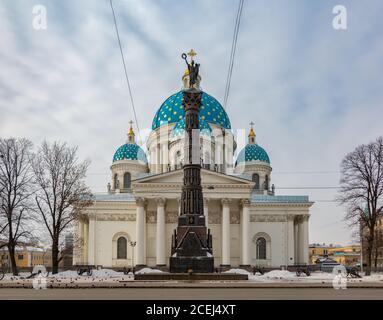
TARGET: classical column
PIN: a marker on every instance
(158, 157)
(225, 232)
(290, 246)
(140, 232)
(86, 237)
(91, 239)
(160, 237)
(80, 231)
(179, 205)
(296, 241)
(77, 248)
(245, 224)
(206, 211)
(153, 160)
(305, 238)
(165, 156)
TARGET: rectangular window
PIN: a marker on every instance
(20, 257)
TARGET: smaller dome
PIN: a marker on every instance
(252, 152)
(130, 151)
(179, 128)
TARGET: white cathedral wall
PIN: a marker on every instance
(235, 242)
(105, 251)
(215, 230)
(275, 253)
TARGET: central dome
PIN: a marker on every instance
(172, 110)
(179, 128)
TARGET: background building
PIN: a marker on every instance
(346, 255)
(27, 256)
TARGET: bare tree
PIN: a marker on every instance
(62, 192)
(361, 190)
(15, 193)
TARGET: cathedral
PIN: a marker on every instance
(133, 222)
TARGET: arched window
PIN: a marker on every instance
(127, 180)
(115, 181)
(255, 179)
(261, 248)
(266, 182)
(121, 248)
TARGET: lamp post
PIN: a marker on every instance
(132, 244)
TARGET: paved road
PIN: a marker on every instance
(193, 293)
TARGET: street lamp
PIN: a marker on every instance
(132, 244)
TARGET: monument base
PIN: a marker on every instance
(191, 264)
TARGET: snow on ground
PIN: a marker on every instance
(111, 276)
(287, 276)
(148, 270)
(64, 274)
(10, 276)
(238, 271)
(279, 274)
(96, 273)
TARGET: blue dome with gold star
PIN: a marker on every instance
(172, 111)
(179, 128)
(130, 151)
(252, 152)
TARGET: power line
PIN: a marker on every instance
(306, 172)
(309, 187)
(232, 53)
(125, 70)
(274, 173)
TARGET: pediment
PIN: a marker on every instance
(208, 177)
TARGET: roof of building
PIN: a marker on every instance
(278, 198)
(126, 196)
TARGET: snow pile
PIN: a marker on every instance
(102, 273)
(373, 277)
(320, 275)
(148, 270)
(238, 271)
(279, 274)
(22, 275)
(106, 273)
(65, 274)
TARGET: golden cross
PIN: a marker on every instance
(191, 54)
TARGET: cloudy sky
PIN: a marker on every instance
(314, 92)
